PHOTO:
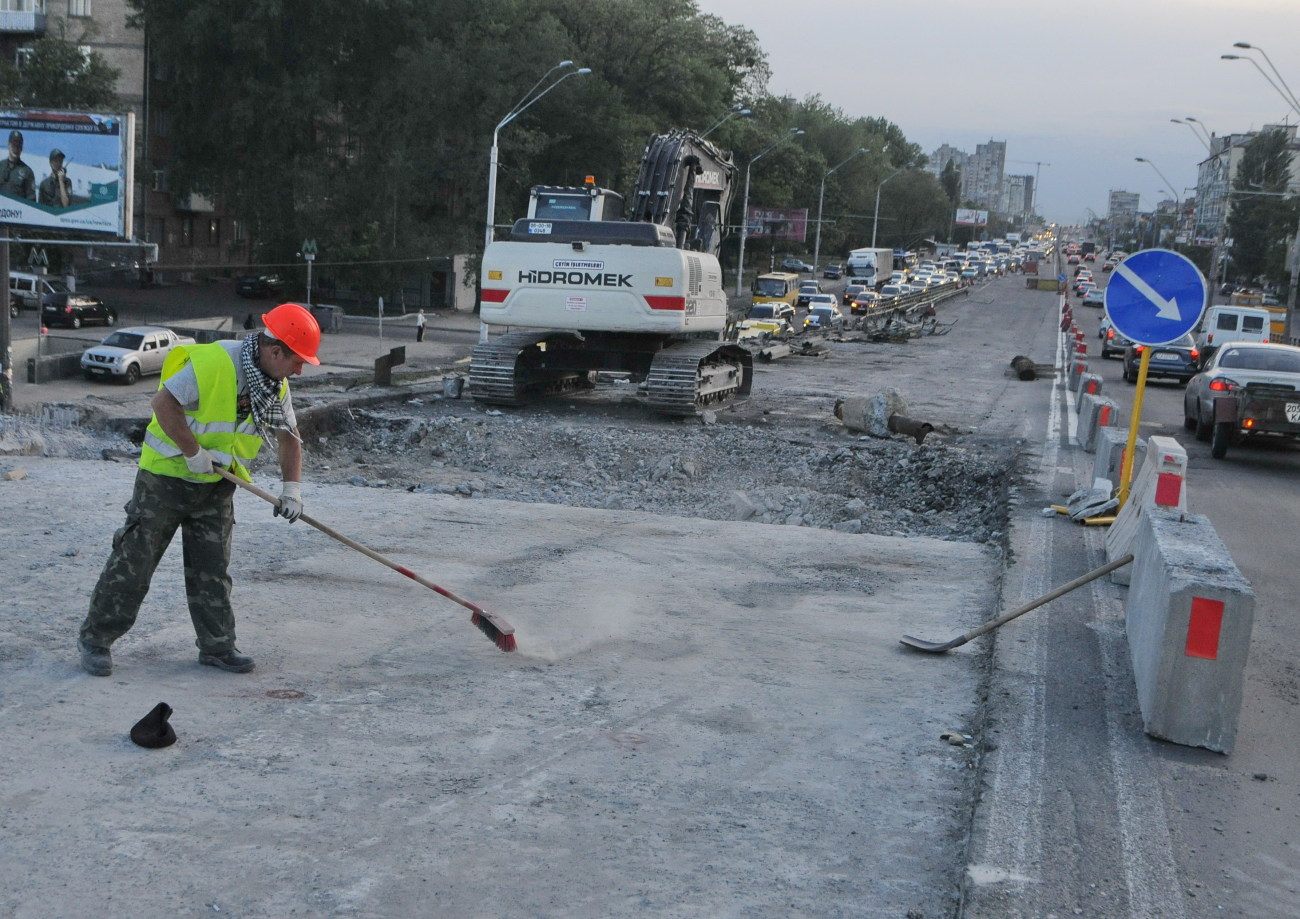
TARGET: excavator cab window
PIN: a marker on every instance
(563, 207)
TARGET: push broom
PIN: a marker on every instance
(493, 626)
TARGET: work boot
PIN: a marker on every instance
(231, 661)
(95, 661)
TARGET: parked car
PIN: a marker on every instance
(35, 290)
(260, 285)
(131, 353)
(833, 271)
(1247, 390)
(1094, 297)
(1178, 359)
(796, 264)
(777, 309)
(72, 311)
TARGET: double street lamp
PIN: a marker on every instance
(821, 200)
(1287, 96)
(744, 211)
(1188, 123)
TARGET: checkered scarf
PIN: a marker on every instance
(263, 392)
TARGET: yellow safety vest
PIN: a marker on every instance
(215, 424)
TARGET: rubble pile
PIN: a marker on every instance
(821, 477)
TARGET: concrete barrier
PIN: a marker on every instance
(1095, 412)
(1188, 616)
(1109, 445)
(1159, 483)
(1089, 385)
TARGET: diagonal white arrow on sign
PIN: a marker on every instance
(1165, 309)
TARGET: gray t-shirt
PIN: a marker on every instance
(184, 385)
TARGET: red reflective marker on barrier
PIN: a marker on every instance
(1169, 488)
(1203, 627)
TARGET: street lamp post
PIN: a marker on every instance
(744, 211)
(528, 99)
(1178, 202)
(875, 219)
(821, 199)
(1209, 138)
(736, 109)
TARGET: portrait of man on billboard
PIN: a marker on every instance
(56, 188)
(16, 178)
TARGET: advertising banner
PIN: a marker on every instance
(966, 217)
(778, 223)
(67, 171)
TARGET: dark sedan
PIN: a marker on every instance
(72, 311)
(260, 286)
(1178, 359)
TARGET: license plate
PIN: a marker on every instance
(1165, 356)
(1293, 412)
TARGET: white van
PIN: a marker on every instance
(1222, 324)
(35, 290)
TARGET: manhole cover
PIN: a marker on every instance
(285, 693)
(629, 738)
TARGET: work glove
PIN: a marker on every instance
(290, 506)
(200, 463)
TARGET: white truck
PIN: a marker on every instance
(582, 290)
(874, 264)
(129, 354)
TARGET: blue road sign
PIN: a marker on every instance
(1155, 296)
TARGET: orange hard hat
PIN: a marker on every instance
(295, 326)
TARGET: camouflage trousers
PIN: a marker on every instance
(205, 514)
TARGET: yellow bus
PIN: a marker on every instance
(776, 285)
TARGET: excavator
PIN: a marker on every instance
(581, 289)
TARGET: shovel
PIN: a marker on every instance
(938, 647)
(494, 627)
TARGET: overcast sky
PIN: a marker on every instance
(1085, 86)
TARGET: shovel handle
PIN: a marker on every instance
(1048, 598)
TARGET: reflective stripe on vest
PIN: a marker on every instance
(215, 423)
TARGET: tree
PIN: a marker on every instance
(57, 74)
(1261, 219)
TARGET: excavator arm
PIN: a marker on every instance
(685, 182)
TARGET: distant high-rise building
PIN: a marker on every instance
(1123, 205)
(982, 180)
(944, 155)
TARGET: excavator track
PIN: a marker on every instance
(511, 370)
(692, 376)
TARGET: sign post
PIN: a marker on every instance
(309, 253)
(1154, 297)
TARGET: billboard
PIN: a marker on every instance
(967, 217)
(779, 223)
(68, 171)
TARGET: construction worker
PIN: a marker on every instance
(213, 408)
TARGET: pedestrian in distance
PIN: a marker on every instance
(419, 326)
(216, 404)
(16, 178)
